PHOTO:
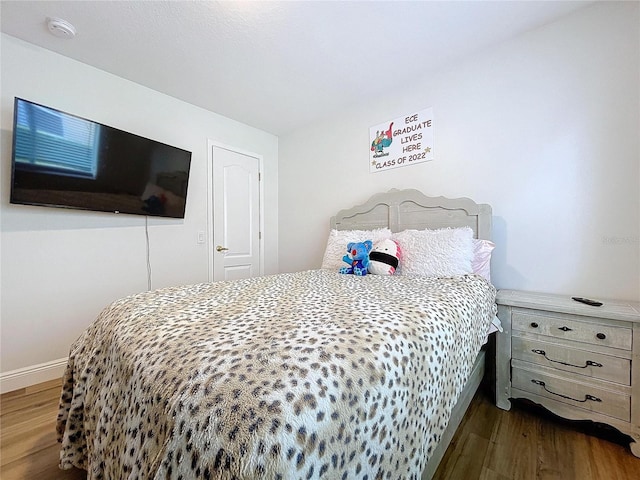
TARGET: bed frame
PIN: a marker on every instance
(410, 209)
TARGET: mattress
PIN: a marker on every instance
(301, 375)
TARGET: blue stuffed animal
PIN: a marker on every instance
(357, 258)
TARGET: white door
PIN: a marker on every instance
(236, 247)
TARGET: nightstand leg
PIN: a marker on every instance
(635, 446)
(503, 359)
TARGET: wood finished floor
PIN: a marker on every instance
(525, 443)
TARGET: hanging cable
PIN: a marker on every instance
(146, 231)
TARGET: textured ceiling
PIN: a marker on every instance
(275, 65)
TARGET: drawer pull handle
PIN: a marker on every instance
(565, 329)
(534, 325)
(587, 397)
(588, 363)
(601, 336)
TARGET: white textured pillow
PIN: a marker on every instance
(338, 240)
(436, 253)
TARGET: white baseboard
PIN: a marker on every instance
(32, 375)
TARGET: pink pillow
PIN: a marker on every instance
(481, 262)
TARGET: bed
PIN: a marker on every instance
(299, 375)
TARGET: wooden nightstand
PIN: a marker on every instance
(578, 361)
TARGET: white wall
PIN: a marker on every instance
(544, 128)
(61, 267)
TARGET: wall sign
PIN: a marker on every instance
(403, 141)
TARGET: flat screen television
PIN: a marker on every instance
(62, 160)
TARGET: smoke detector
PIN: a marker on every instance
(61, 28)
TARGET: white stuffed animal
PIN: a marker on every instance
(384, 258)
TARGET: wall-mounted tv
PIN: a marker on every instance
(62, 160)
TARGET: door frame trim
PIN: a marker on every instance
(211, 144)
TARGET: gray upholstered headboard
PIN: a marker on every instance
(411, 209)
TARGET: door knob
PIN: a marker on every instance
(220, 248)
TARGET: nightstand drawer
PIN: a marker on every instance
(572, 329)
(574, 360)
(577, 394)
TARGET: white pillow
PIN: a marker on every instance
(338, 240)
(436, 253)
(481, 263)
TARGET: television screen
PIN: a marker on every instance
(62, 160)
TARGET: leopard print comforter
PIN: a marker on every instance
(303, 375)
